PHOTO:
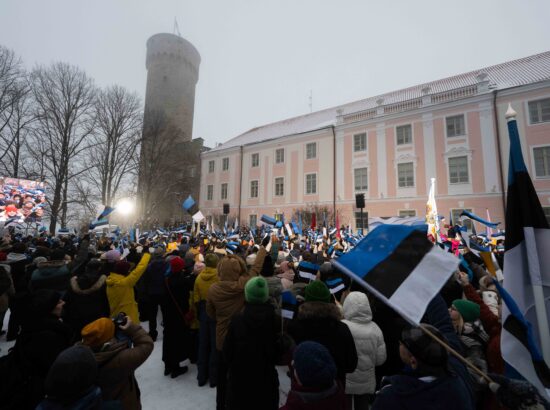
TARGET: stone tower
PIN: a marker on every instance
(170, 160)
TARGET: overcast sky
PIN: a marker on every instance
(260, 58)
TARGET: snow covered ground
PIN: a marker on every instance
(162, 392)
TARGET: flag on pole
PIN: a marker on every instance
(431, 213)
(526, 272)
(401, 267)
(188, 203)
(473, 216)
(289, 304)
(106, 211)
(488, 231)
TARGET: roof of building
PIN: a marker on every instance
(527, 70)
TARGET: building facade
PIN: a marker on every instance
(389, 147)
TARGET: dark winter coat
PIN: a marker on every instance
(154, 277)
(54, 275)
(250, 353)
(117, 363)
(85, 301)
(320, 322)
(301, 398)
(18, 262)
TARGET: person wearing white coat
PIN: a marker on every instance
(371, 349)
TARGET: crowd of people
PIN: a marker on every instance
(237, 307)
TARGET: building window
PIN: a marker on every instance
(211, 166)
(542, 161)
(278, 217)
(405, 175)
(365, 222)
(458, 170)
(455, 214)
(404, 134)
(279, 155)
(311, 150)
(360, 142)
(539, 111)
(279, 186)
(253, 189)
(192, 171)
(406, 213)
(255, 160)
(225, 164)
(361, 179)
(209, 192)
(455, 126)
(224, 191)
(311, 184)
(253, 221)
(546, 210)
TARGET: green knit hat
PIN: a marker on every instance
(468, 310)
(317, 291)
(256, 290)
(211, 260)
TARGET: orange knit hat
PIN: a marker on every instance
(98, 332)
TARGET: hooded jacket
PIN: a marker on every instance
(226, 297)
(120, 290)
(204, 281)
(54, 275)
(301, 398)
(321, 323)
(369, 342)
(86, 300)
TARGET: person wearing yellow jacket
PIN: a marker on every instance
(120, 287)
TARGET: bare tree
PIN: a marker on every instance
(112, 158)
(64, 97)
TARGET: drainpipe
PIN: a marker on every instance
(334, 174)
(241, 186)
(499, 156)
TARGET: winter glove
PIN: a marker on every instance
(517, 394)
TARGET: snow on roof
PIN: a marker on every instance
(527, 70)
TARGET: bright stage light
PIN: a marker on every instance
(125, 206)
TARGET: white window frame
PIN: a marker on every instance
(314, 145)
(466, 222)
(222, 186)
(467, 168)
(277, 150)
(225, 164)
(354, 176)
(533, 163)
(275, 186)
(529, 112)
(250, 220)
(209, 192)
(397, 144)
(399, 211)
(414, 175)
(366, 141)
(257, 155)
(211, 166)
(463, 115)
(357, 216)
(257, 189)
(305, 184)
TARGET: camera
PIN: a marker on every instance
(120, 319)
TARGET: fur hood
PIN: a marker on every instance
(318, 310)
(51, 264)
(86, 291)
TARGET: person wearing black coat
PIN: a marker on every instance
(17, 260)
(250, 352)
(319, 320)
(155, 289)
(86, 299)
(43, 336)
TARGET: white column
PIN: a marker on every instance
(340, 166)
(429, 148)
(490, 167)
(381, 160)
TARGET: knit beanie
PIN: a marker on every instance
(111, 256)
(211, 260)
(314, 365)
(177, 264)
(256, 290)
(98, 332)
(71, 375)
(122, 268)
(432, 356)
(44, 301)
(467, 309)
(317, 291)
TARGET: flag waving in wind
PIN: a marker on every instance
(526, 272)
(106, 212)
(431, 213)
(401, 267)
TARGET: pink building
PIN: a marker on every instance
(389, 147)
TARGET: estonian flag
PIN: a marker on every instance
(335, 285)
(268, 220)
(98, 223)
(189, 205)
(475, 217)
(401, 267)
(105, 213)
(308, 270)
(289, 304)
(526, 270)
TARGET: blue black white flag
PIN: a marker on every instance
(475, 217)
(308, 270)
(108, 210)
(289, 304)
(401, 267)
(526, 269)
